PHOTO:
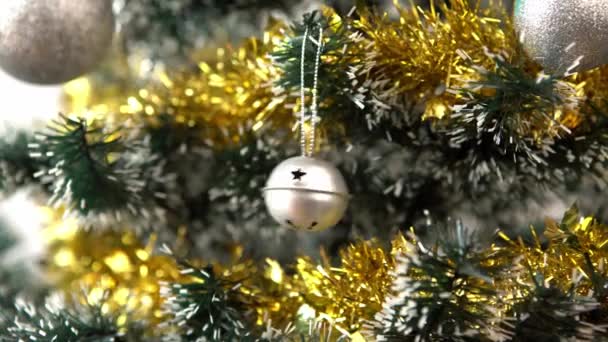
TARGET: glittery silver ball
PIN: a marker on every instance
(306, 193)
(557, 33)
(54, 41)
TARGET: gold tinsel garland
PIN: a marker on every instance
(422, 54)
(227, 91)
(355, 290)
(346, 296)
(416, 53)
(416, 57)
(117, 265)
(112, 265)
(569, 254)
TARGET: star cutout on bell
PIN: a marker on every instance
(314, 203)
(298, 174)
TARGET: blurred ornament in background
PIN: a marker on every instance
(564, 35)
(28, 246)
(306, 193)
(54, 41)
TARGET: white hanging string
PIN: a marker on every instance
(303, 95)
(314, 106)
(314, 110)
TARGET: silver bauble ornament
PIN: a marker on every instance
(306, 193)
(54, 41)
(556, 33)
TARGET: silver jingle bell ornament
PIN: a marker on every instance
(557, 33)
(54, 41)
(306, 193)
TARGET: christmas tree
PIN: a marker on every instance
(252, 170)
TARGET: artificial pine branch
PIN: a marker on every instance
(440, 293)
(17, 278)
(584, 242)
(505, 125)
(315, 331)
(93, 172)
(88, 323)
(557, 283)
(17, 168)
(241, 176)
(582, 153)
(338, 103)
(204, 309)
(568, 238)
(549, 314)
(511, 129)
(168, 137)
(81, 169)
(8, 288)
